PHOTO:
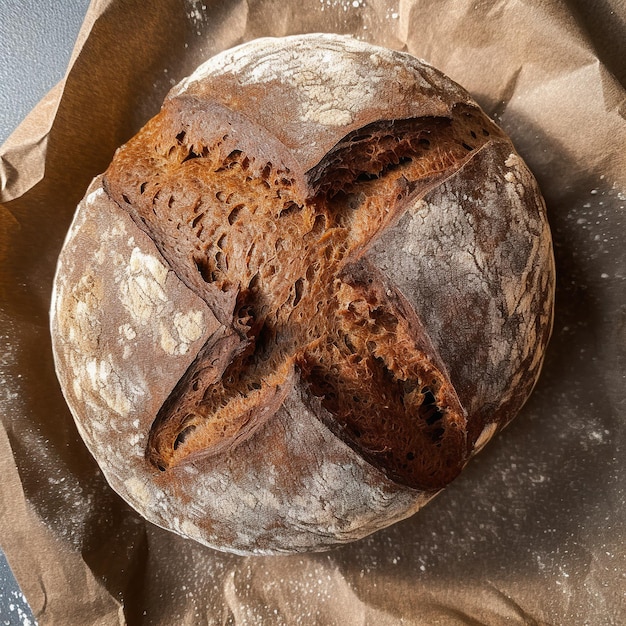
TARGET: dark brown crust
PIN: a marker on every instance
(298, 223)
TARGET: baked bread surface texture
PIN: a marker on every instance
(302, 296)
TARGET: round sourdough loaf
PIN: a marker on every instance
(302, 296)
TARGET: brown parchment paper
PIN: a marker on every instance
(533, 532)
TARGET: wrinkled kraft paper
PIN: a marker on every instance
(533, 532)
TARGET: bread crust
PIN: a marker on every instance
(450, 260)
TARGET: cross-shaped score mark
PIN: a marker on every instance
(280, 259)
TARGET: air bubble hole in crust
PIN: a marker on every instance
(298, 288)
(289, 209)
(204, 269)
(191, 154)
(234, 213)
(182, 436)
(266, 171)
(221, 261)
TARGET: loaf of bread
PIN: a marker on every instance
(302, 296)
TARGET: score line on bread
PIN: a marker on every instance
(302, 296)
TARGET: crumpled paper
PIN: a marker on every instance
(533, 532)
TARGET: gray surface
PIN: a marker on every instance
(14, 609)
(36, 41)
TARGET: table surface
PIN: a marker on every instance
(36, 40)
